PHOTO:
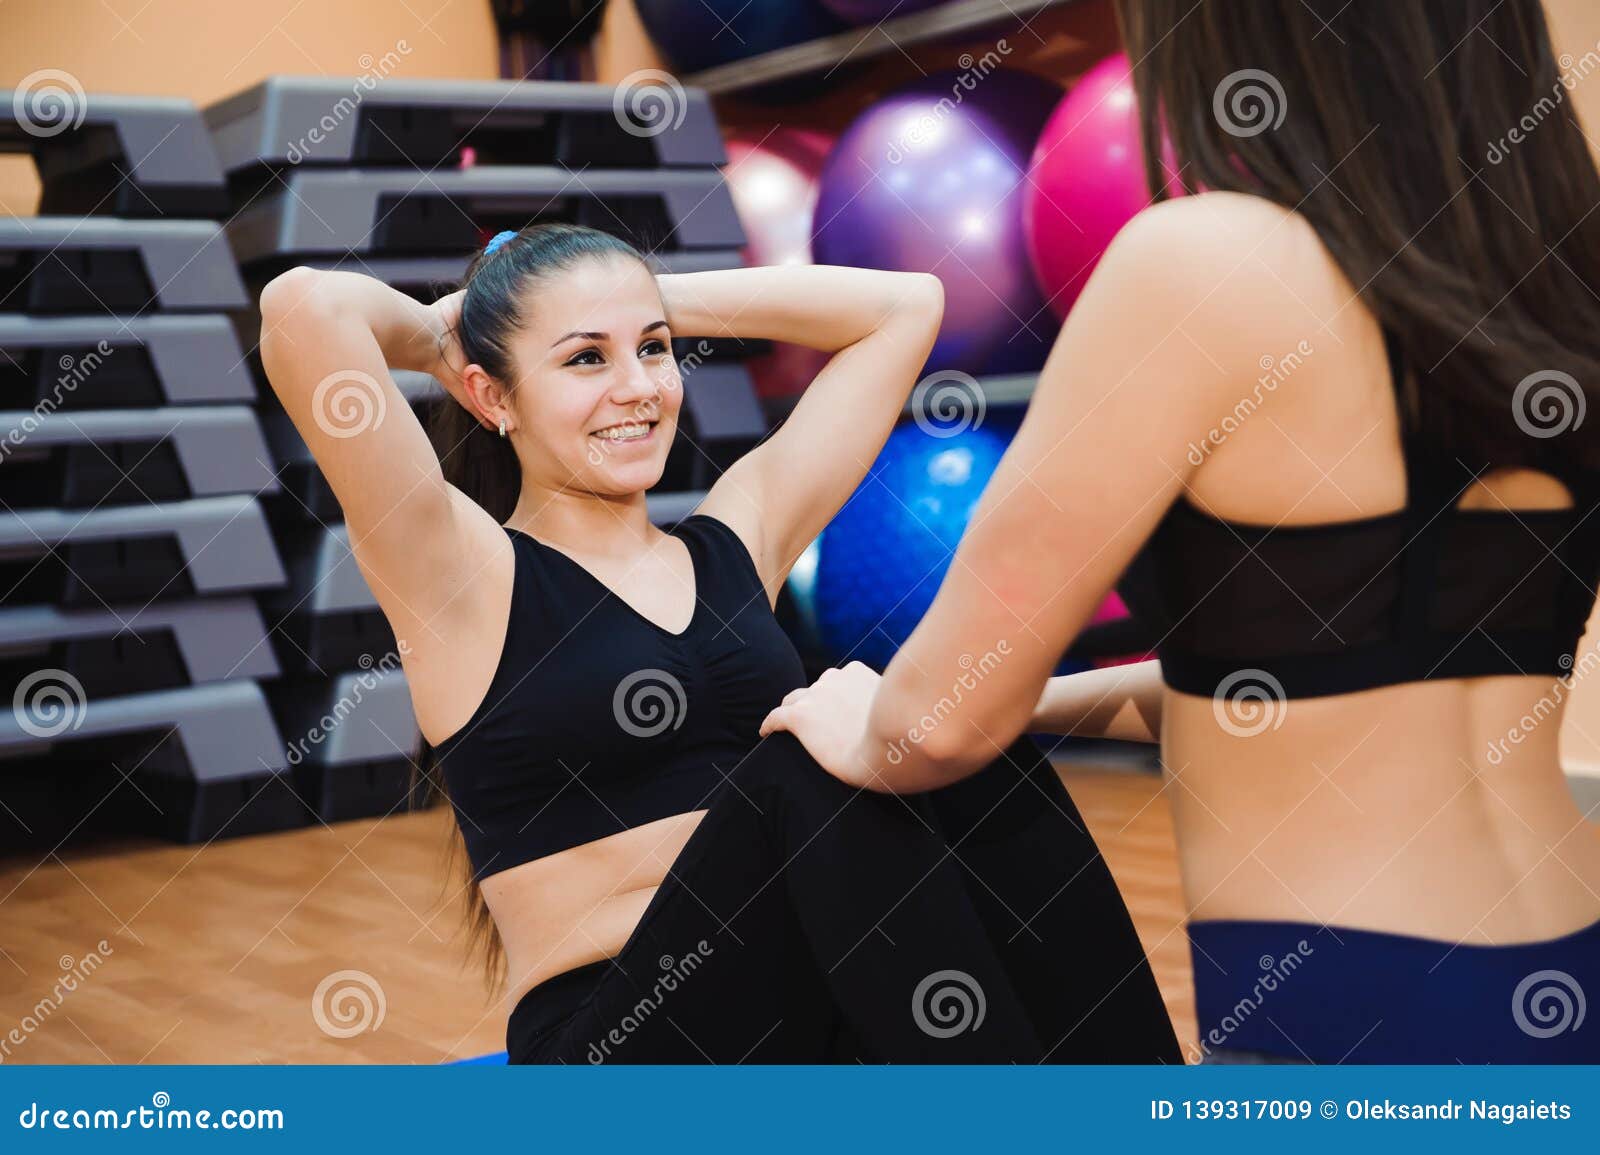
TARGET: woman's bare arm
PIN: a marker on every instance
(1118, 702)
(879, 326)
(328, 341)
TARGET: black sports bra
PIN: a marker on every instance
(1429, 591)
(597, 719)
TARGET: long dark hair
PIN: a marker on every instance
(499, 289)
(1434, 147)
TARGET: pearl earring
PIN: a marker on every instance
(502, 427)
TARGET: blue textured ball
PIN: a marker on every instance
(882, 558)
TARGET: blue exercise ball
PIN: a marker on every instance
(882, 559)
(698, 34)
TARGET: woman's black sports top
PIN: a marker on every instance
(597, 719)
(1429, 591)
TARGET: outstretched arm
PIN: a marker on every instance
(1099, 458)
(1118, 702)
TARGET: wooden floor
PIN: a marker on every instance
(216, 953)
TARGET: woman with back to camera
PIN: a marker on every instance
(1323, 419)
(666, 887)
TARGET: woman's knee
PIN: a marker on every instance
(780, 769)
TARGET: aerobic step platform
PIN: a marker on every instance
(351, 741)
(377, 211)
(108, 362)
(191, 764)
(101, 265)
(326, 618)
(210, 545)
(123, 156)
(343, 122)
(120, 456)
(133, 648)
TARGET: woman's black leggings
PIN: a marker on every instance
(806, 921)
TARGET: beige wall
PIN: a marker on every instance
(207, 49)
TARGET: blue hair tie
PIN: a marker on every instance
(497, 240)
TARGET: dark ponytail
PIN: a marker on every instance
(476, 460)
(482, 464)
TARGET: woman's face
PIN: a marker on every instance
(598, 390)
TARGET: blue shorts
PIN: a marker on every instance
(1301, 991)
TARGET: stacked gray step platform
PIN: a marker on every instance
(103, 361)
(133, 465)
(404, 182)
(121, 156)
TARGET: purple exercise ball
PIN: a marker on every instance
(930, 179)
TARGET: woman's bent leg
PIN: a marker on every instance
(803, 921)
(1054, 912)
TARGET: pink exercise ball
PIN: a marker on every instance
(1086, 180)
(772, 177)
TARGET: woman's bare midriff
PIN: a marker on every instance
(579, 906)
(1427, 809)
